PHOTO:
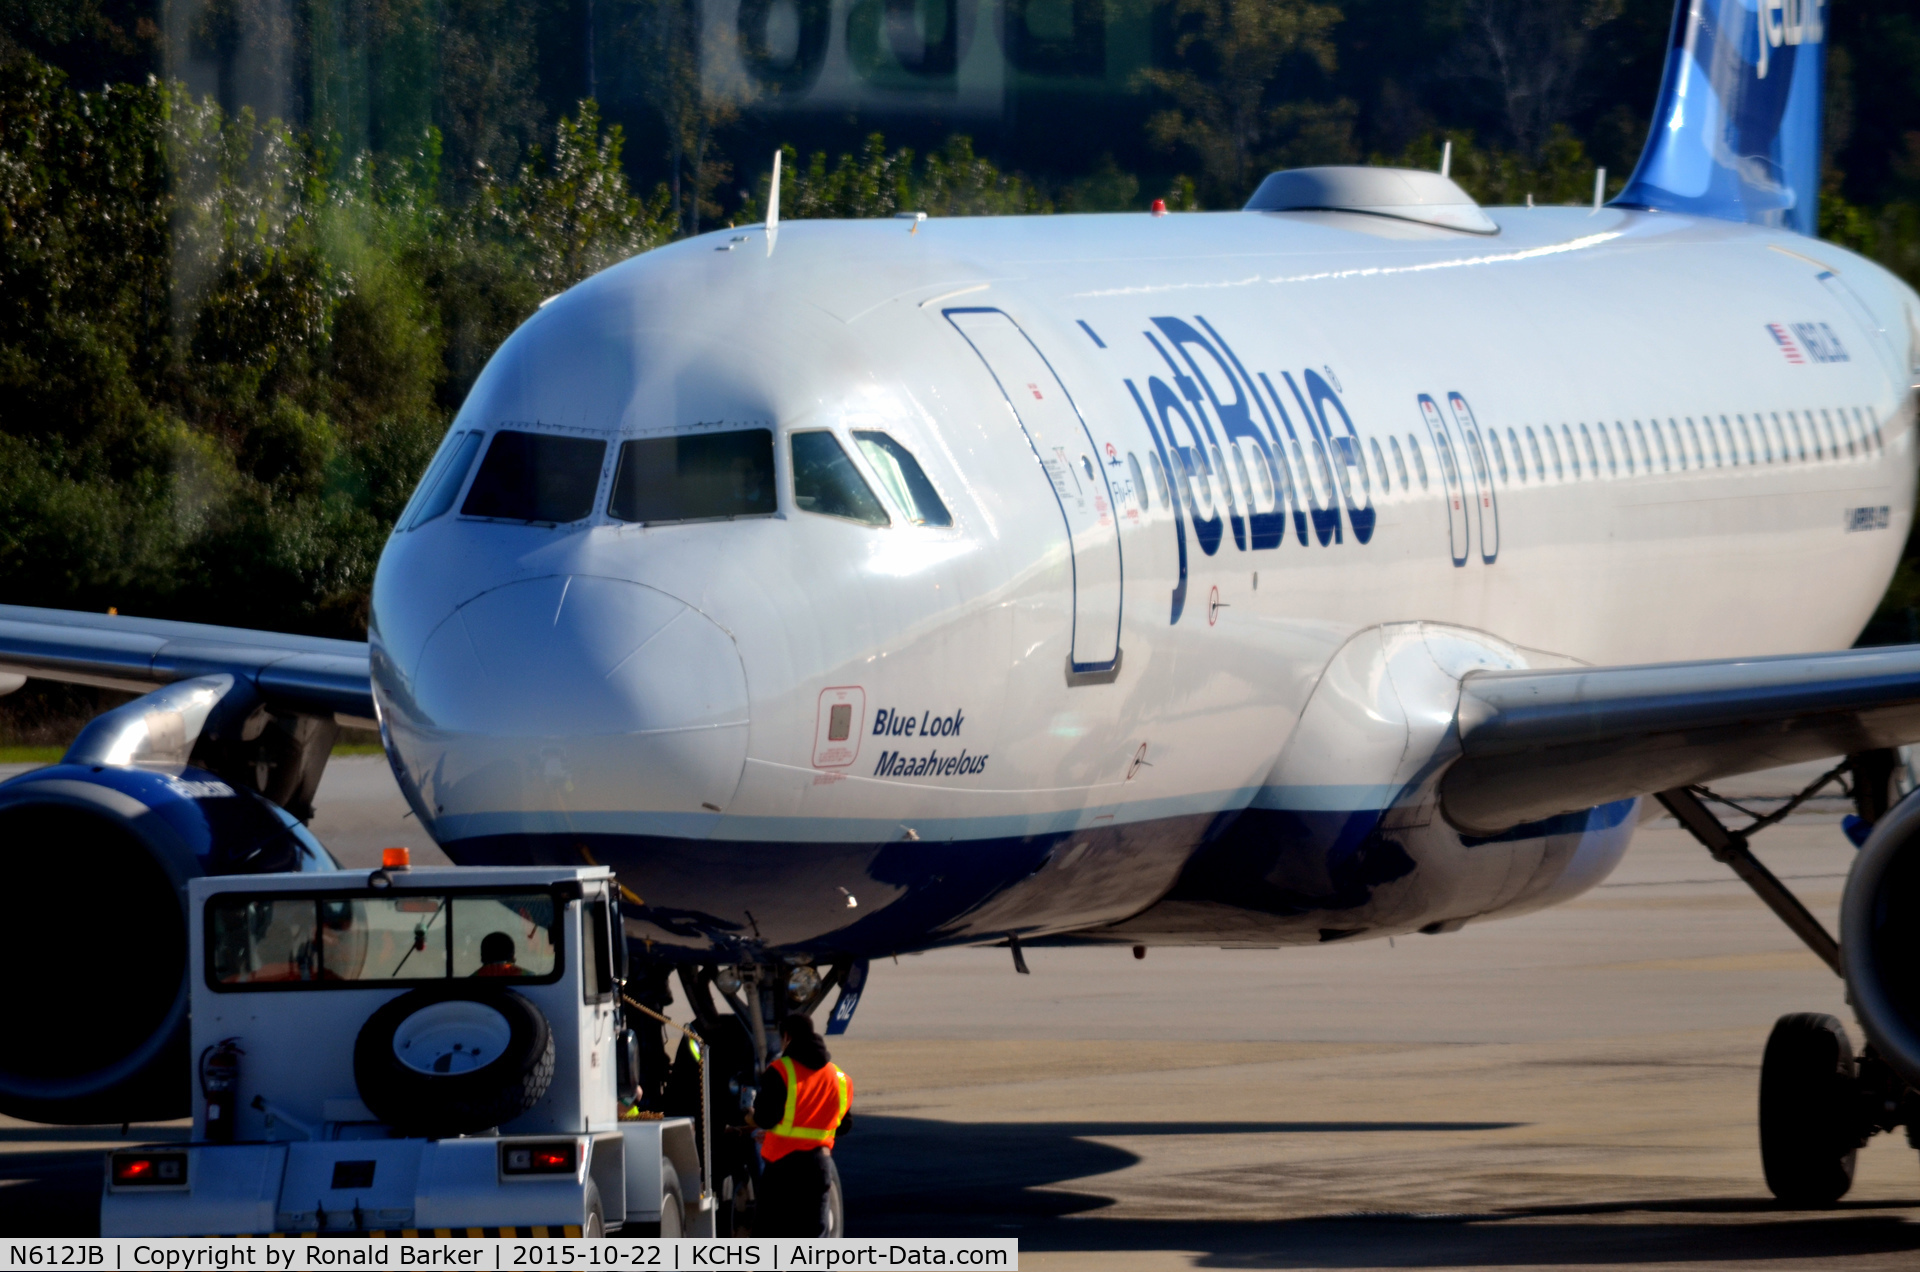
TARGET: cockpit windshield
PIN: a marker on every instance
(694, 477)
(536, 477)
(317, 940)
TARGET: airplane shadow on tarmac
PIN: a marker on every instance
(919, 1177)
(911, 1177)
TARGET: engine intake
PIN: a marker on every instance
(1880, 937)
(97, 860)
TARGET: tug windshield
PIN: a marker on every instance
(320, 940)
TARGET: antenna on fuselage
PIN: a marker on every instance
(773, 205)
(1446, 160)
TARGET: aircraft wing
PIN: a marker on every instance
(1538, 743)
(307, 674)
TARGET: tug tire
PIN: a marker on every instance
(445, 1104)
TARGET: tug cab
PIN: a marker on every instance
(400, 1052)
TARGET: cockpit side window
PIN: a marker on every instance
(536, 477)
(694, 477)
(825, 481)
(904, 479)
(442, 483)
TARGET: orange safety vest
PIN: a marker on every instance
(816, 1101)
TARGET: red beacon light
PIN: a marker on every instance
(1159, 207)
(396, 859)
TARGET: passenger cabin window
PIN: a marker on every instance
(1477, 456)
(1499, 455)
(1266, 494)
(1287, 489)
(1443, 449)
(1160, 479)
(319, 941)
(1380, 463)
(536, 477)
(1139, 481)
(694, 477)
(826, 482)
(903, 478)
(1226, 477)
(1659, 447)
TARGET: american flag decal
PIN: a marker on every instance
(1786, 343)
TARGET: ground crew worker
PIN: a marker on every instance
(496, 956)
(803, 1099)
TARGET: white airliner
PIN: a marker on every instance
(1346, 566)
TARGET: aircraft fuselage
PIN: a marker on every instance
(1191, 464)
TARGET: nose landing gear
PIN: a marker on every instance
(738, 1036)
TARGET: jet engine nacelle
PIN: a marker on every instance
(96, 856)
(1880, 937)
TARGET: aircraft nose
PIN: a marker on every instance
(578, 698)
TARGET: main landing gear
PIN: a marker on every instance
(1820, 1101)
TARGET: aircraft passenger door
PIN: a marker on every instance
(1482, 478)
(1067, 454)
(1452, 480)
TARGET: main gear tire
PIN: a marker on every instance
(453, 1059)
(1809, 1132)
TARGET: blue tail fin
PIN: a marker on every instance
(1737, 132)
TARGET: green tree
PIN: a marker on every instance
(951, 181)
(488, 101)
(1533, 51)
(1560, 172)
(575, 212)
(1229, 105)
(662, 40)
(226, 354)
